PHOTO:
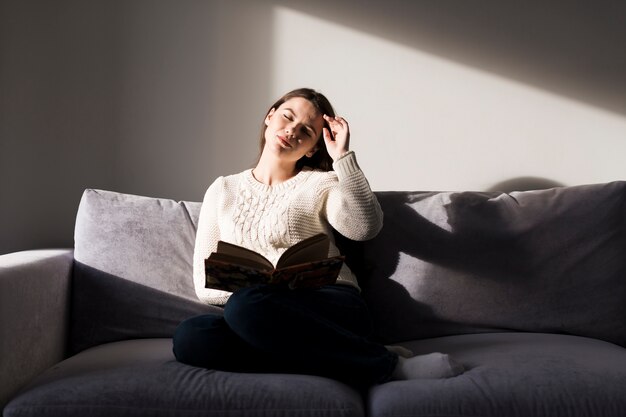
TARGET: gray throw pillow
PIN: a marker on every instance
(133, 268)
(463, 262)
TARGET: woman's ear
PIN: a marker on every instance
(269, 116)
(310, 153)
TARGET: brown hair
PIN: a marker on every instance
(320, 159)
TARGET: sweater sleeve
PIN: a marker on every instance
(207, 235)
(351, 207)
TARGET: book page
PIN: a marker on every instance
(223, 258)
(311, 249)
(244, 253)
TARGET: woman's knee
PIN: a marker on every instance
(185, 340)
(197, 340)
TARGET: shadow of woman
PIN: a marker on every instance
(415, 273)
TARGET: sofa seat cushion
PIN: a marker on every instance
(141, 377)
(513, 374)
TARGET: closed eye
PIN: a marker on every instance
(308, 130)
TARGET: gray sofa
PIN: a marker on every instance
(526, 289)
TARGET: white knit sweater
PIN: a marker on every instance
(269, 219)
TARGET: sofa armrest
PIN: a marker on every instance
(34, 308)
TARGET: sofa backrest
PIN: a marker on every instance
(463, 262)
(132, 273)
(444, 263)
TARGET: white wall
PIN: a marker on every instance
(158, 97)
(424, 122)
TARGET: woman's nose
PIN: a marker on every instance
(290, 129)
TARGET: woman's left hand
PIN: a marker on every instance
(338, 142)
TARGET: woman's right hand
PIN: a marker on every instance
(337, 140)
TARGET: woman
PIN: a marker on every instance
(305, 182)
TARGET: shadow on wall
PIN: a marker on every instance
(524, 184)
(570, 48)
(131, 96)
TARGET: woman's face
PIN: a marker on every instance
(293, 129)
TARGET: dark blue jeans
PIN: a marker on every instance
(270, 328)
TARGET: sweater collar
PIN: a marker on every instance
(278, 188)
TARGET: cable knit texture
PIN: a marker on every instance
(269, 219)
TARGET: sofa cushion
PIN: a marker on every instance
(143, 239)
(513, 374)
(463, 262)
(141, 377)
(133, 268)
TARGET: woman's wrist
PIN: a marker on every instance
(346, 164)
(340, 155)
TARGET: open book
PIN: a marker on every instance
(304, 265)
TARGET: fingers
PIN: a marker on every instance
(336, 136)
(327, 136)
(336, 122)
(337, 126)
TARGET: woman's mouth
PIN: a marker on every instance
(283, 141)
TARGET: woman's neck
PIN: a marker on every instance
(272, 172)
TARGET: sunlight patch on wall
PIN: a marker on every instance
(422, 122)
